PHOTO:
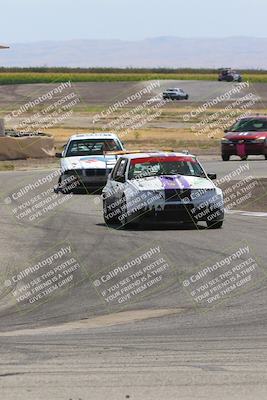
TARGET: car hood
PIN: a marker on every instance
(88, 162)
(172, 182)
(245, 135)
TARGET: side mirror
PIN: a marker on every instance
(58, 155)
(212, 176)
(120, 179)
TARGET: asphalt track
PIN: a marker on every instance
(106, 96)
(159, 346)
(108, 93)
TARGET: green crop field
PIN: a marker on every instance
(46, 75)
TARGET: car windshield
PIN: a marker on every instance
(158, 166)
(245, 125)
(92, 147)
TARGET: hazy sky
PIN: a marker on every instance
(33, 20)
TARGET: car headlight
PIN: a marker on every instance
(152, 196)
(259, 140)
(74, 172)
(156, 194)
(224, 140)
(218, 191)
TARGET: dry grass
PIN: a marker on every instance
(175, 139)
(6, 166)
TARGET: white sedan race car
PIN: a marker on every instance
(85, 161)
(161, 186)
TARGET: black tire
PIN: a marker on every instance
(66, 186)
(225, 157)
(109, 221)
(123, 214)
(57, 189)
(214, 224)
(265, 156)
(244, 158)
(186, 97)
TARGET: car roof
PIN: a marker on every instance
(94, 135)
(133, 156)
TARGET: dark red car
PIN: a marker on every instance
(248, 136)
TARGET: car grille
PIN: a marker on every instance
(184, 194)
(96, 172)
(177, 194)
(246, 141)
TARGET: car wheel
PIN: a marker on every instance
(109, 220)
(225, 157)
(244, 158)
(214, 225)
(186, 97)
(122, 219)
(265, 156)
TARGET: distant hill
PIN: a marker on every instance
(237, 52)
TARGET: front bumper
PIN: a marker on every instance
(249, 148)
(86, 177)
(178, 212)
(174, 97)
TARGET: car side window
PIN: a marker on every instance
(65, 149)
(116, 166)
(120, 169)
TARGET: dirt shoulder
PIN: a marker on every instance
(29, 164)
(246, 195)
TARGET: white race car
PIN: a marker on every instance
(85, 161)
(162, 186)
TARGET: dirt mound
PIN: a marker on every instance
(26, 147)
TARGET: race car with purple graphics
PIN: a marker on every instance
(163, 186)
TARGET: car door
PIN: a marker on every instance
(118, 178)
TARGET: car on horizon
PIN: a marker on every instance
(247, 136)
(175, 94)
(228, 75)
(161, 186)
(86, 162)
